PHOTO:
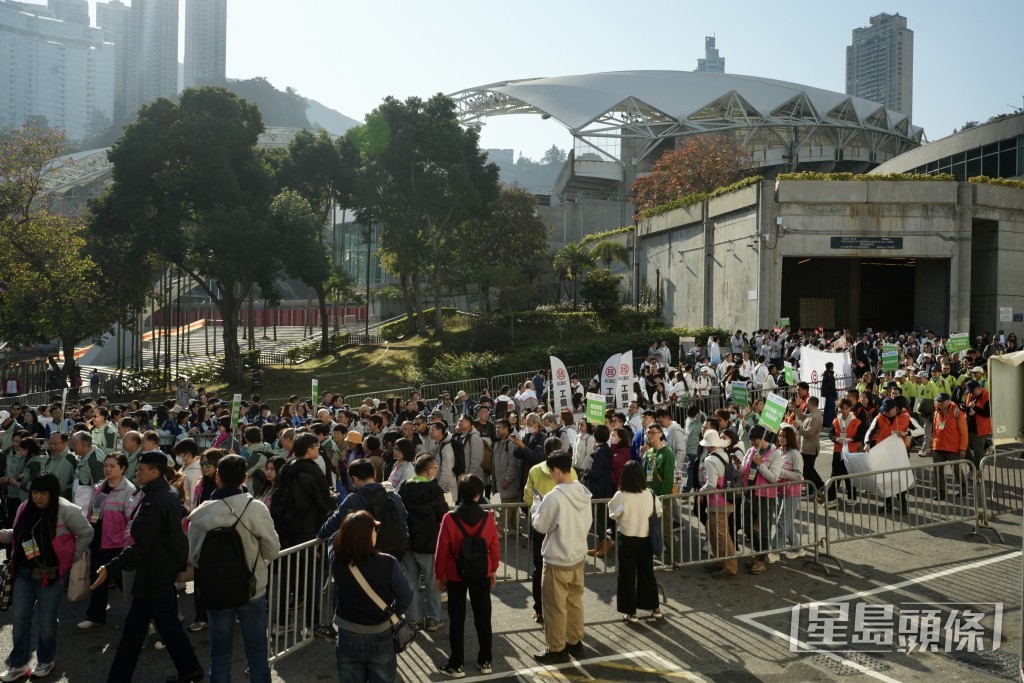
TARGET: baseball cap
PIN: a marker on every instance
(4, 415)
(887, 405)
(972, 385)
(943, 397)
(976, 368)
(901, 373)
(922, 373)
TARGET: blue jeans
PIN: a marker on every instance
(415, 564)
(363, 659)
(252, 616)
(26, 594)
(786, 535)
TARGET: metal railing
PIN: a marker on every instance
(299, 595)
(473, 387)
(1001, 478)
(404, 393)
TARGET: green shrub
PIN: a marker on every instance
(404, 327)
(1005, 182)
(602, 290)
(697, 197)
(583, 322)
(491, 338)
(450, 367)
(614, 232)
(700, 334)
(813, 175)
(311, 349)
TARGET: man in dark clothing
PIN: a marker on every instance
(301, 503)
(158, 553)
(424, 501)
(829, 394)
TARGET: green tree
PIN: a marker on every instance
(322, 172)
(554, 155)
(507, 247)
(190, 189)
(51, 285)
(601, 291)
(424, 175)
(607, 252)
(572, 261)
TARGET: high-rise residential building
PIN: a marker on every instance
(880, 63)
(60, 70)
(73, 11)
(156, 53)
(712, 62)
(206, 29)
(115, 20)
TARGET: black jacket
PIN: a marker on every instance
(424, 501)
(599, 480)
(160, 549)
(828, 385)
(301, 502)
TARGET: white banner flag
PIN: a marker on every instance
(891, 454)
(625, 381)
(812, 367)
(610, 378)
(561, 392)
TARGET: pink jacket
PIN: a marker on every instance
(767, 473)
(71, 539)
(116, 510)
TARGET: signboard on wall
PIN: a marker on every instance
(1005, 314)
(867, 242)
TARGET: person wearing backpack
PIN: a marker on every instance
(385, 506)
(231, 539)
(716, 477)
(473, 448)
(466, 560)
(424, 501)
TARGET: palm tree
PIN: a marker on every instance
(573, 259)
(607, 252)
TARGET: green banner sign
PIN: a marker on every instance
(739, 393)
(782, 322)
(790, 374)
(316, 392)
(958, 342)
(774, 410)
(890, 361)
(236, 410)
(889, 348)
(595, 409)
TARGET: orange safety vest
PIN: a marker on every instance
(900, 423)
(851, 431)
(949, 431)
(984, 424)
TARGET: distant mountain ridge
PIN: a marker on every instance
(331, 120)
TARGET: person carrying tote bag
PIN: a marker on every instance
(637, 511)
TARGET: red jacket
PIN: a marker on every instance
(449, 543)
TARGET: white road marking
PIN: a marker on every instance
(638, 654)
(751, 619)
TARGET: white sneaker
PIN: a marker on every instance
(43, 670)
(15, 673)
(796, 554)
(773, 558)
(86, 625)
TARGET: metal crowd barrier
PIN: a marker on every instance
(897, 500)
(693, 542)
(404, 393)
(473, 387)
(1002, 482)
(300, 596)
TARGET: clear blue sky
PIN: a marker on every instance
(349, 55)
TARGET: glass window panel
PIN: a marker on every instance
(959, 172)
(989, 149)
(1008, 163)
(990, 165)
(974, 153)
(973, 167)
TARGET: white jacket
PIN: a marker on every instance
(564, 516)
(255, 528)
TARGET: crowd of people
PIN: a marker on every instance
(187, 492)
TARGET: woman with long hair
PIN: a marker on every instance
(786, 535)
(631, 507)
(48, 535)
(274, 466)
(364, 652)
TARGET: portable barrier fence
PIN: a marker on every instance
(300, 597)
(474, 387)
(1002, 482)
(860, 506)
(404, 393)
(721, 527)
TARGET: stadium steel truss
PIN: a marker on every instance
(779, 123)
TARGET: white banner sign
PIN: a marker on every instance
(889, 455)
(625, 382)
(610, 378)
(812, 367)
(561, 392)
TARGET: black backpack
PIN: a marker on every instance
(459, 449)
(391, 534)
(225, 579)
(471, 562)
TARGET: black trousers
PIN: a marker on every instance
(163, 612)
(480, 599)
(811, 474)
(536, 540)
(637, 587)
(97, 611)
